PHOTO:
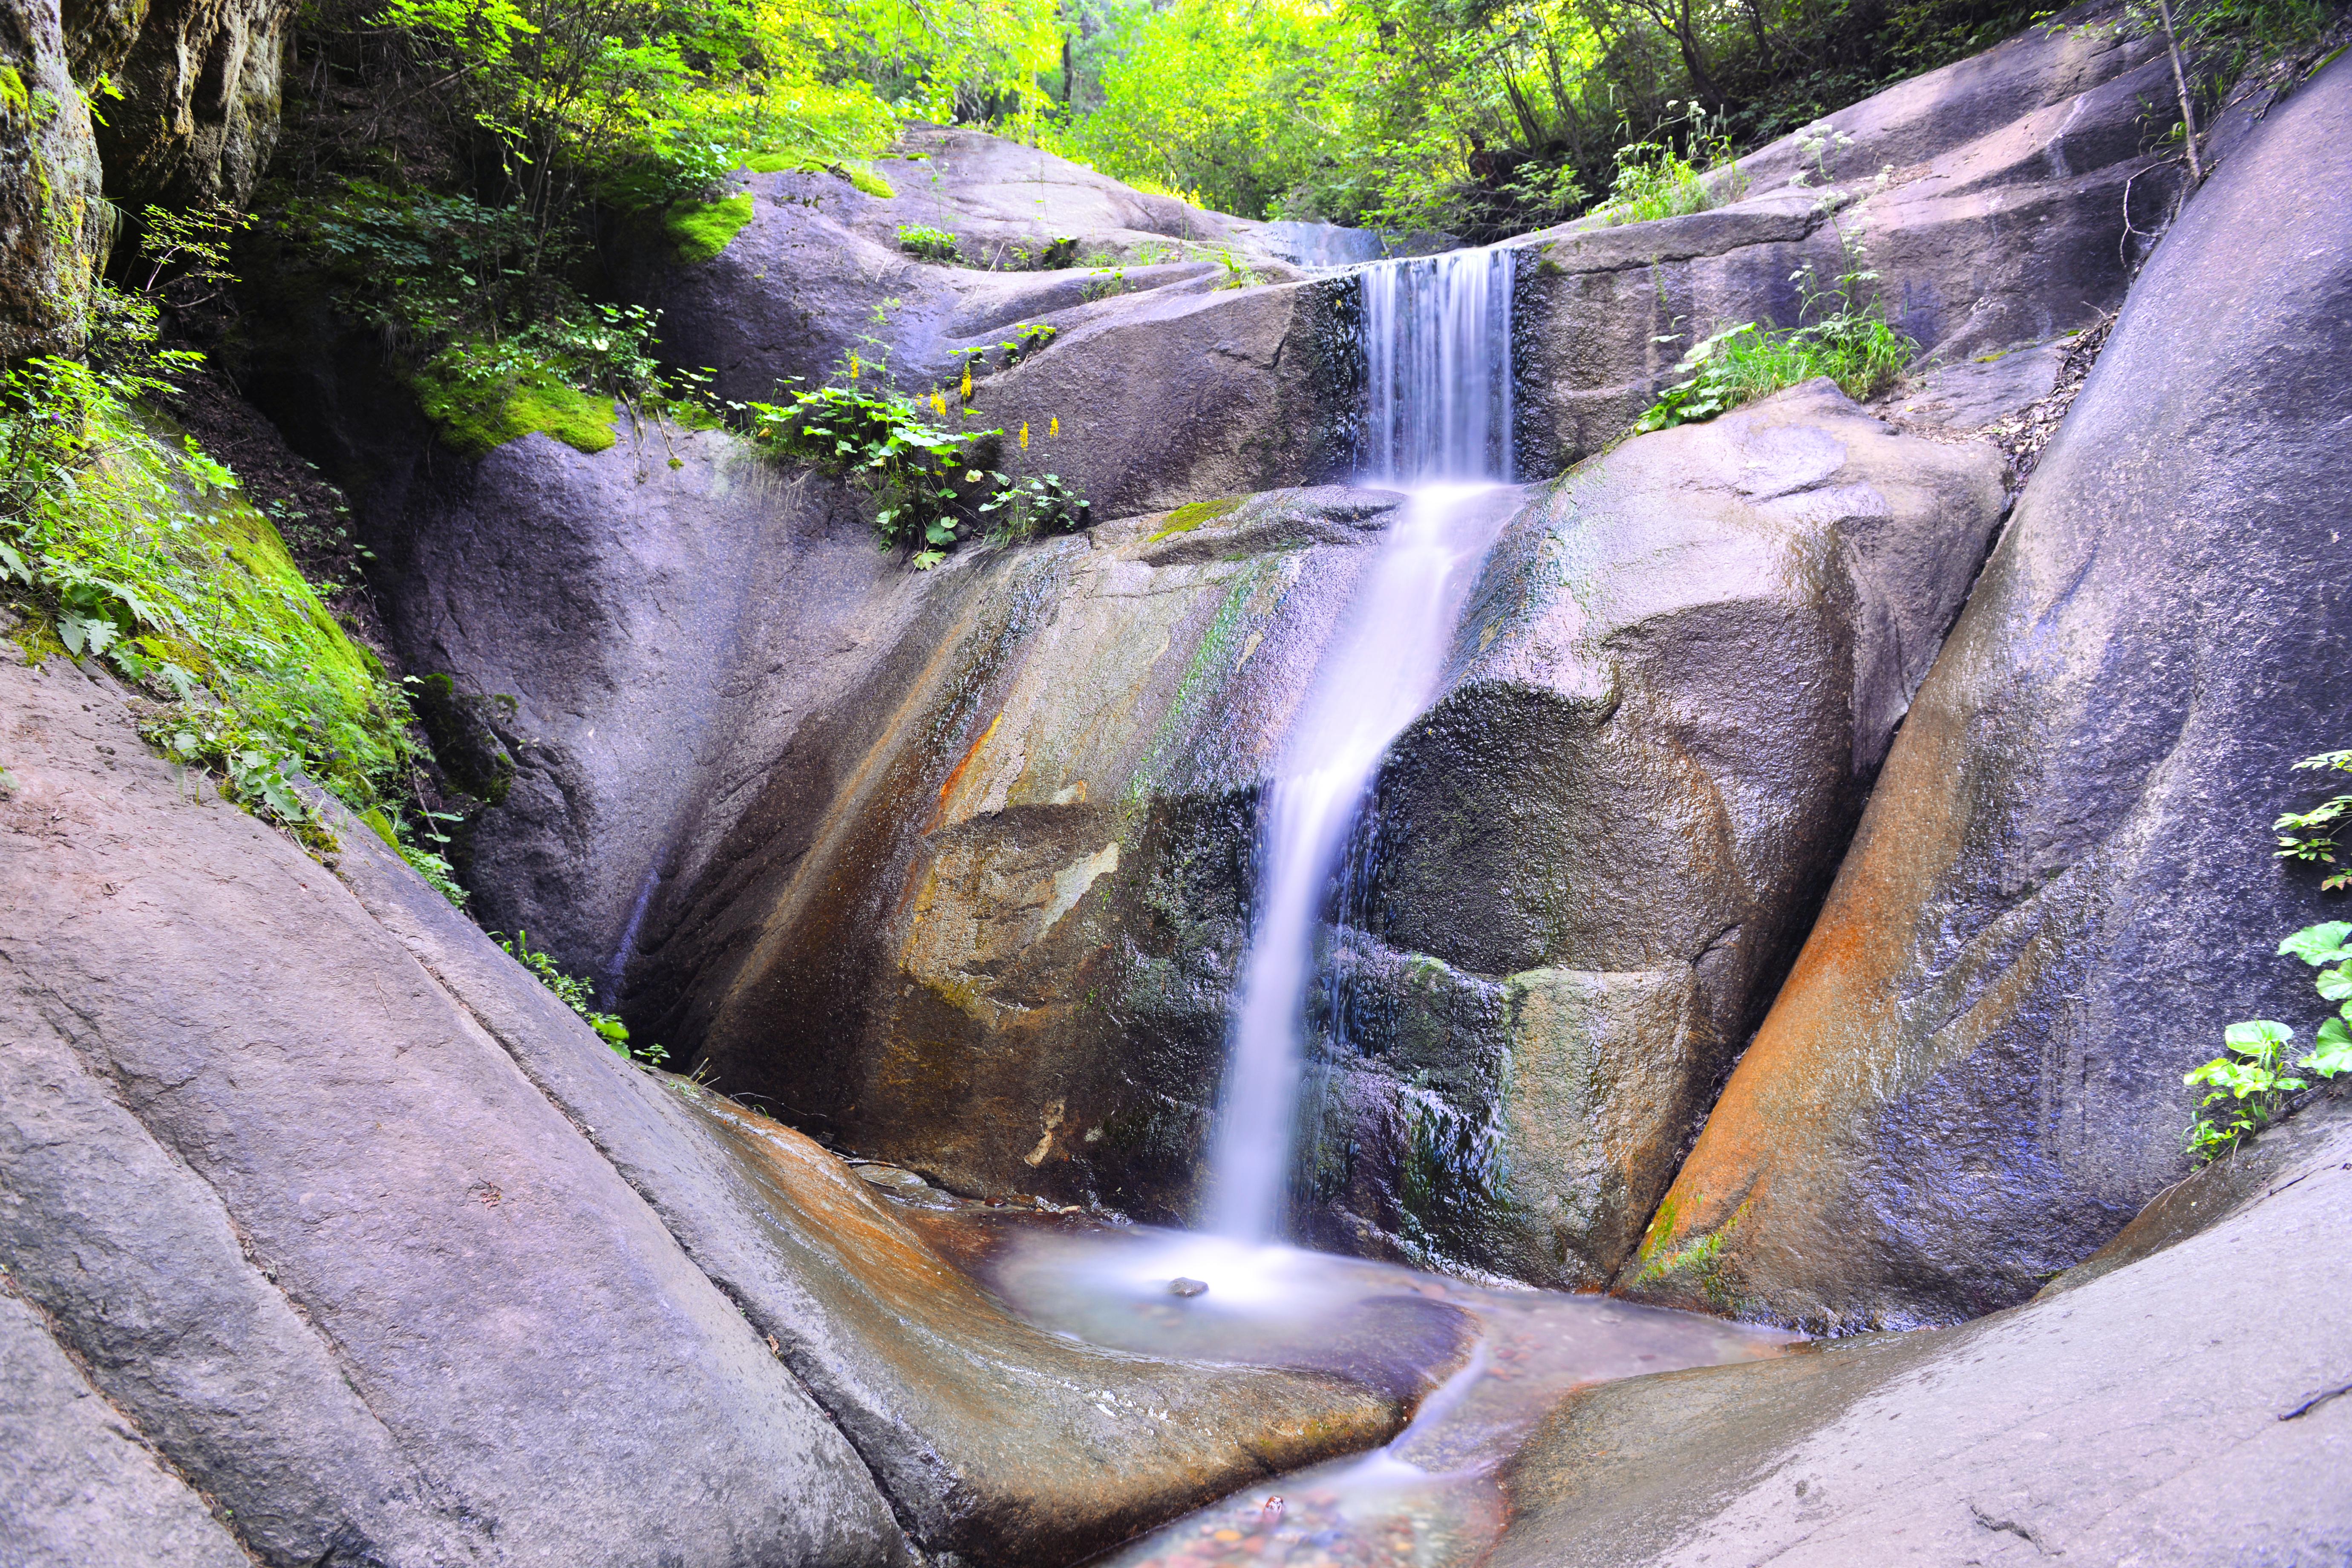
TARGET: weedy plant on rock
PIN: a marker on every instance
(2251, 1083)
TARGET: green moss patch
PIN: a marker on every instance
(702, 230)
(1187, 518)
(871, 183)
(476, 416)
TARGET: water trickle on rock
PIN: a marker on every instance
(1437, 347)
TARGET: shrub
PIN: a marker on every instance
(580, 996)
(2250, 1083)
(124, 543)
(930, 243)
(1655, 180)
(1849, 340)
(917, 471)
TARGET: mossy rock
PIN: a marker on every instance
(1192, 515)
(476, 417)
(701, 230)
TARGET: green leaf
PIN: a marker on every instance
(2256, 1036)
(2333, 1052)
(2322, 943)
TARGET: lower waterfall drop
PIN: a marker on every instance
(1437, 347)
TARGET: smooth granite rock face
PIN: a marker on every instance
(2188, 1407)
(2062, 889)
(306, 1224)
(994, 1440)
(1155, 380)
(1989, 196)
(76, 1484)
(996, 942)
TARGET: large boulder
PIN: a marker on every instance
(1002, 954)
(2062, 892)
(2186, 1407)
(1594, 855)
(380, 1248)
(304, 1223)
(2000, 200)
(615, 626)
(995, 940)
(1160, 380)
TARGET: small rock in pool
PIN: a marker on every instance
(1179, 1286)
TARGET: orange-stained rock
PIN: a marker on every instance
(1600, 844)
(2062, 889)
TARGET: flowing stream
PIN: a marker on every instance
(1437, 345)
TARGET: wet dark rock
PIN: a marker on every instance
(2062, 889)
(1186, 1288)
(382, 1248)
(2180, 1409)
(2000, 220)
(1596, 852)
(993, 939)
(994, 1439)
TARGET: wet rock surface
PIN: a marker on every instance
(1990, 198)
(1594, 855)
(1956, 1095)
(1001, 954)
(2153, 1414)
(379, 1245)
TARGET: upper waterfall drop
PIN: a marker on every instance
(1437, 357)
(1437, 348)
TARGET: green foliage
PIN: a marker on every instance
(703, 231)
(930, 243)
(1042, 503)
(133, 546)
(2309, 835)
(1485, 118)
(1848, 339)
(1655, 179)
(918, 472)
(580, 996)
(2250, 1083)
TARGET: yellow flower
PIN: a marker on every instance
(853, 367)
(1025, 435)
(939, 403)
(1054, 425)
(967, 383)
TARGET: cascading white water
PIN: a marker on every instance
(1437, 343)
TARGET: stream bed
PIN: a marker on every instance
(1488, 1365)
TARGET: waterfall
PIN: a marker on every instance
(1437, 345)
